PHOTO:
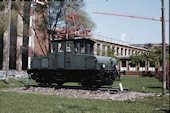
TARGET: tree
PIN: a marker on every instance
(53, 17)
(111, 52)
(17, 18)
(19, 43)
(52, 14)
(138, 59)
(3, 30)
(3, 16)
(86, 20)
(154, 55)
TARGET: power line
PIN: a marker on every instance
(107, 38)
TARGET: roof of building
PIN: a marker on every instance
(74, 39)
(150, 45)
(124, 45)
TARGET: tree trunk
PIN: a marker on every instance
(5, 47)
(19, 41)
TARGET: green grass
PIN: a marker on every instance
(141, 84)
(11, 102)
(13, 83)
(33, 103)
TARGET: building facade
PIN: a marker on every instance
(123, 53)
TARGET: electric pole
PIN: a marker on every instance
(8, 42)
(163, 52)
(33, 3)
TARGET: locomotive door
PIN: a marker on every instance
(68, 55)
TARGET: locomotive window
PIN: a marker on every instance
(68, 47)
(82, 48)
(86, 48)
(75, 48)
(60, 47)
(52, 48)
(91, 48)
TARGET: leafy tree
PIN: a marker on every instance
(154, 55)
(110, 52)
(103, 53)
(86, 20)
(3, 16)
(138, 59)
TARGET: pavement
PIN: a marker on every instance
(13, 74)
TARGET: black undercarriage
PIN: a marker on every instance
(87, 78)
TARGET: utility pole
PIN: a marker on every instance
(8, 42)
(30, 35)
(33, 3)
(163, 52)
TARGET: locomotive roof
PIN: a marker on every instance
(74, 39)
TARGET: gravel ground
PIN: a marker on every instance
(78, 93)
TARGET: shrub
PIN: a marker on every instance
(158, 75)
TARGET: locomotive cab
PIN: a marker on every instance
(74, 46)
(70, 52)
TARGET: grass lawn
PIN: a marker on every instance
(141, 84)
(11, 102)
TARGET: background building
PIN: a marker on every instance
(123, 53)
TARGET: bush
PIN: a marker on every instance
(147, 74)
(158, 75)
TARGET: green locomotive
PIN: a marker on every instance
(73, 60)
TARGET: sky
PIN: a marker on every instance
(133, 30)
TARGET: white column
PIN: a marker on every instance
(115, 50)
(95, 49)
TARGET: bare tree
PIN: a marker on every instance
(19, 40)
(48, 18)
(5, 44)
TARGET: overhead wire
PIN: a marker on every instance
(107, 38)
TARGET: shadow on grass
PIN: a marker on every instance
(155, 87)
(165, 111)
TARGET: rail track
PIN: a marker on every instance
(108, 89)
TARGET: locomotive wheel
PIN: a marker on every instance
(86, 84)
(42, 84)
(60, 83)
(49, 84)
(98, 85)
